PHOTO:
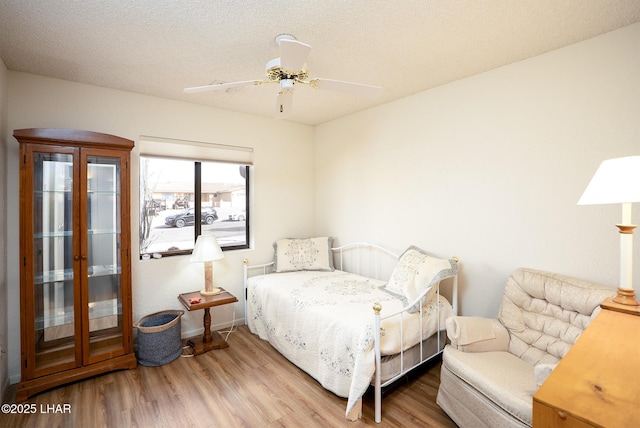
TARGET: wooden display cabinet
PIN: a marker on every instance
(75, 274)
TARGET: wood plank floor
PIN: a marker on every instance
(248, 384)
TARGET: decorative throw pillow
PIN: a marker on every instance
(303, 254)
(416, 271)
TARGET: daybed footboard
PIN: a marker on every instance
(423, 354)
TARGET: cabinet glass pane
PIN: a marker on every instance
(104, 261)
(53, 259)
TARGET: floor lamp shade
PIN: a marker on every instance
(206, 251)
(617, 181)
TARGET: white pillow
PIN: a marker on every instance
(303, 254)
(416, 271)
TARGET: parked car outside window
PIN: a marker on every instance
(187, 217)
(238, 216)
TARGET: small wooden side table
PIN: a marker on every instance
(209, 340)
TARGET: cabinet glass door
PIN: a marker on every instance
(53, 260)
(104, 256)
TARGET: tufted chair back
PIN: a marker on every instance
(545, 313)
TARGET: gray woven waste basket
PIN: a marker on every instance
(159, 339)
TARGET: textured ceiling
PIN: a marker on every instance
(159, 47)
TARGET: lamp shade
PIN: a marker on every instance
(616, 181)
(206, 249)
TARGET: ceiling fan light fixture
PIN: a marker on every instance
(286, 85)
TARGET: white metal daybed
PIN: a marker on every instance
(356, 325)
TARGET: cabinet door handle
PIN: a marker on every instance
(76, 257)
(83, 257)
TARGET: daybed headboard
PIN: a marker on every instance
(365, 259)
(361, 258)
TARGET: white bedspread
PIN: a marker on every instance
(323, 323)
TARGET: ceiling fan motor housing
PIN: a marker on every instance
(275, 73)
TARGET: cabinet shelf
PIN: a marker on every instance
(57, 275)
(104, 270)
(57, 234)
(52, 192)
(103, 231)
(61, 275)
(67, 233)
(102, 192)
(54, 355)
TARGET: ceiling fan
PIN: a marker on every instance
(290, 69)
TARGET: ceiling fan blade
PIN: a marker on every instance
(218, 86)
(284, 105)
(293, 54)
(357, 89)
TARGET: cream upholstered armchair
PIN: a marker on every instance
(492, 367)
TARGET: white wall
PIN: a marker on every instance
(490, 168)
(282, 205)
(4, 380)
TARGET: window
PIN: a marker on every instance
(181, 199)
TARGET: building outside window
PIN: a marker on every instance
(181, 199)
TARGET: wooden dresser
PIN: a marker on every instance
(598, 382)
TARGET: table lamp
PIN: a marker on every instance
(207, 250)
(617, 181)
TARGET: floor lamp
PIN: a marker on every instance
(617, 181)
